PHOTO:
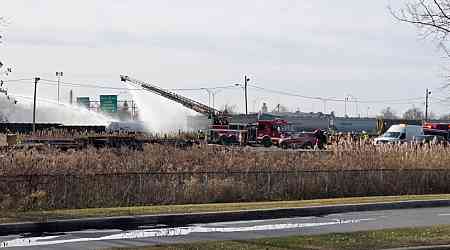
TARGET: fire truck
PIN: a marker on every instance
(438, 129)
(227, 134)
(275, 132)
(265, 132)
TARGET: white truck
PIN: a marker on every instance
(400, 133)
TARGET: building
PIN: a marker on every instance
(299, 121)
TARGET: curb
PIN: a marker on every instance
(436, 247)
(133, 222)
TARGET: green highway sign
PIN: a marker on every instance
(83, 102)
(108, 103)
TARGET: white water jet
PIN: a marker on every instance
(159, 114)
(48, 111)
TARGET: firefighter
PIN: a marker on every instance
(364, 136)
(321, 138)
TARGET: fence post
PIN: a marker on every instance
(205, 185)
(141, 194)
(64, 198)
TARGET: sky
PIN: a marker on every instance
(331, 49)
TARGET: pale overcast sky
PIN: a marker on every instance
(314, 48)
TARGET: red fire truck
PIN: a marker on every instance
(438, 129)
(267, 133)
(227, 134)
(264, 132)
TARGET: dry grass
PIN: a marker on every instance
(160, 158)
(49, 179)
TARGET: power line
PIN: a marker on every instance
(404, 101)
(387, 101)
(96, 86)
(52, 82)
(442, 101)
(18, 80)
(120, 88)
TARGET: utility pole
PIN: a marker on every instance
(246, 80)
(71, 97)
(132, 110)
(59, 75)
(427, 94)
(346, 99)
(36, 80)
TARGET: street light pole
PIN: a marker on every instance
(357, 108)
(213, 93)
(246, 80)
(427, 95)
(209, 96)
(36, 80)
(59, 74)
(355, 100)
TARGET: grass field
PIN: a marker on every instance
(13, 216)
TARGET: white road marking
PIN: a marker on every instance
(168, 232)
(254, 221)
(443, 214)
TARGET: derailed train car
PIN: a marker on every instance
(353, 125)
(26, 128)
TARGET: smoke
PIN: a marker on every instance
(159, 114)
(47, 112)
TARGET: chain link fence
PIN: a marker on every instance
(152, 188)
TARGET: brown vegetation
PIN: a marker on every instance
(168, 175)
(160, 158)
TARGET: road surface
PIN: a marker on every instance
(239, 230)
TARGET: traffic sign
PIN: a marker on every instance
(83, 102)
(108, 103)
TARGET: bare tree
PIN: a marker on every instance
(432, 17)
(2, 24)
(280, 109)
(229, 109)
(388, 113)
(413, 114)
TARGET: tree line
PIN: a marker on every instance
(413, 113)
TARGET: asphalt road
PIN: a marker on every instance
(345, 222)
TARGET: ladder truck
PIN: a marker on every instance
(220, 131)
(217, 117)
(265, 133)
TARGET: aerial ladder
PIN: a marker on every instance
(217, 117)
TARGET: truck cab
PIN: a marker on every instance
(270, 132)
(400, 133)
